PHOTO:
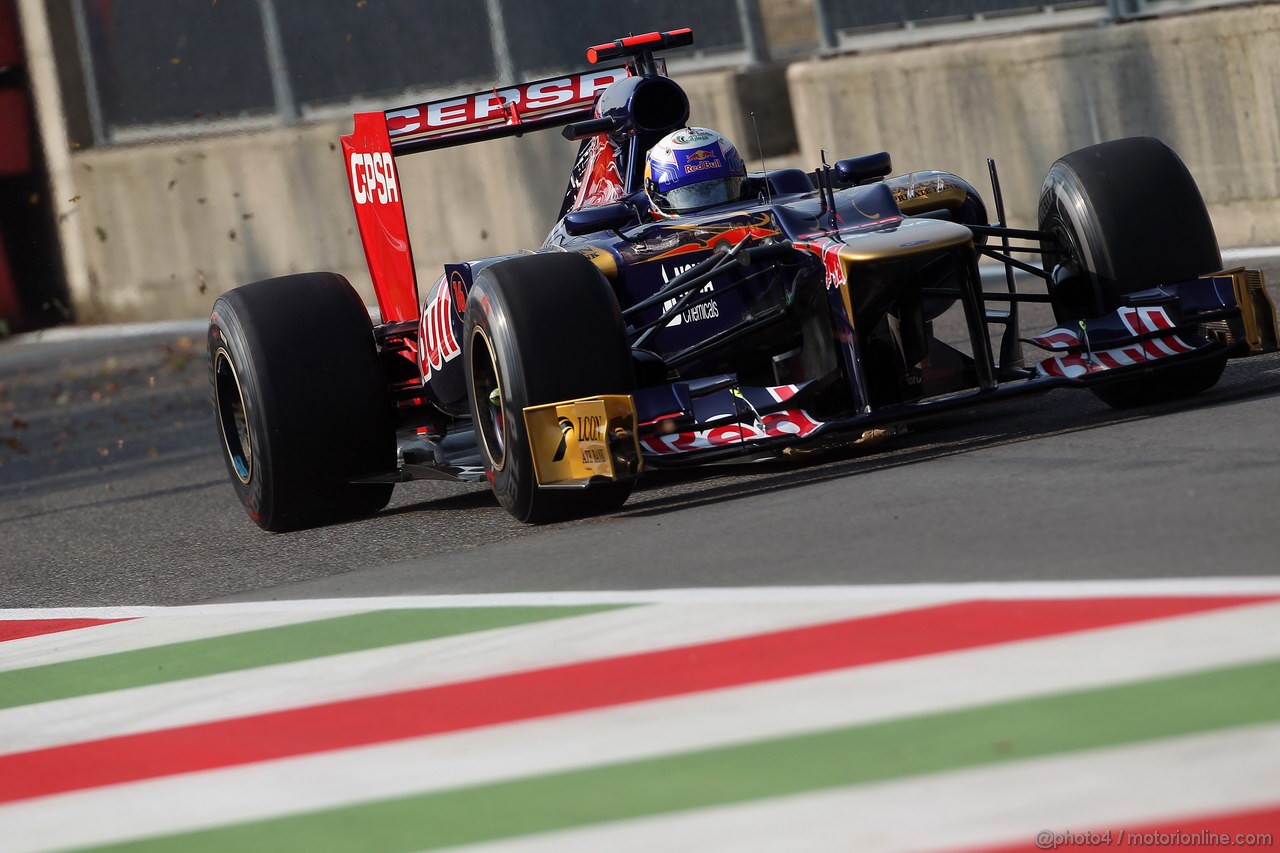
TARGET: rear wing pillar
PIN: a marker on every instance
(379, 209)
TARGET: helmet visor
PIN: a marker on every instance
(703, 194)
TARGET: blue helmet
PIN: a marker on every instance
(690, 169)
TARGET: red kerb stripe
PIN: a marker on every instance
(16, 629)
(574, 687)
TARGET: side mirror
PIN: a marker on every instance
(857, 170)
(606, 217)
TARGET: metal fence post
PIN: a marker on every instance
(1123, 10)
(826, 32)
(753, 37)
(281, 89)
(503, 67)
(89, 70)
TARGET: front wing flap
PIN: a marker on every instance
(1229, 309)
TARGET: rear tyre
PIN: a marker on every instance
(541, 329)
(1129, 216)
(301, 401)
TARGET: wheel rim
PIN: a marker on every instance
(1071, 257)
(233, 417)
(491, 415)
(1061, 227)
(1075, 284)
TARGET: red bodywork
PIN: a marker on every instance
(379, 208)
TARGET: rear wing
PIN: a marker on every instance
(496, 113)
(513, 111)
(369, 151)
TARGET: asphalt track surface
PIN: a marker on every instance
(113, 491)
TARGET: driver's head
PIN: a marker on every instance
(690, 169)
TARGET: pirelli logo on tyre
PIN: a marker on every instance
(373, 178)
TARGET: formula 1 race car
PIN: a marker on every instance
(684, 310)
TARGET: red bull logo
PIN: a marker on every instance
(459, 289)
(702, 159)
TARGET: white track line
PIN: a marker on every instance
(932, 684)
(996, 590)
(1251, 252)
(110, 331)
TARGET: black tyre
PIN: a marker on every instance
(1129, 217)
(1184, 381)
(541, 329)
(301, 401)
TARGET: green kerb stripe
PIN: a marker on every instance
(263, 647)
(990, 734)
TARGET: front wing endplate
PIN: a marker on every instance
(1257, 309)
(576, 442)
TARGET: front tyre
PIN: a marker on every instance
(541, 329)
(1127, 216)
(301, 401)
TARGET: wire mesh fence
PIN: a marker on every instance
(172, 67)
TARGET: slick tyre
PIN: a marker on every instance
(541, 329)
(301, 401)
(1128, 217)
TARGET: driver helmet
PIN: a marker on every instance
(690, 169)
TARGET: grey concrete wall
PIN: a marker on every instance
(1208, 84)
(166, 227)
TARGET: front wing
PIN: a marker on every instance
(1161, 329)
